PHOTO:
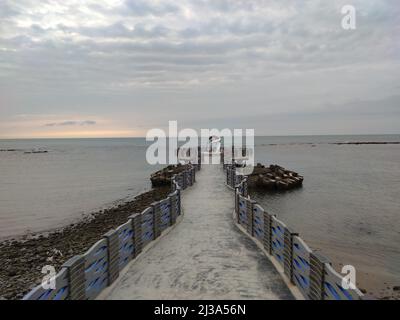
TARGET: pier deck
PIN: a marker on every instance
(205, 256)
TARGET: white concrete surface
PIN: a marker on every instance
(205, 256)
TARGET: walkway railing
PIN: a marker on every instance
(309, 271)
(83, 277)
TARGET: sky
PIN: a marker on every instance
(117, 68)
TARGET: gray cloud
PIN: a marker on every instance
(71, 123)
(142, 57)
(145, 7)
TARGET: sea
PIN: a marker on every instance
(348, 208)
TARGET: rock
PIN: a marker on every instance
(363, 291)
(274, 178)
(11, 273)
(164, 176)
(396, 288)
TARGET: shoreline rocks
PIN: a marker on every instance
(274, 178)
(21, 260)
(164, 176)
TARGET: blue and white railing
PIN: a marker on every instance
(85, 276)
(310, 272)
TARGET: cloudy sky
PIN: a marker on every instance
(120, 67)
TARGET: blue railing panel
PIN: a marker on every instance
(179, 180)
(301, 265)
(243, 219)
(238, 179)
(178, 205)
(165, 206)
(126, 245)
(258, 222)
(334, 289)
(278, 240)
(96, 269)
(189, 178)
(147, 226)
(59, 293)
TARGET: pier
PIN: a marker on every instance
(207, 240)
(205, 256)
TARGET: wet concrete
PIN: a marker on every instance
(205, 256)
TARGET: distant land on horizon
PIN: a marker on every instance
(256, 136)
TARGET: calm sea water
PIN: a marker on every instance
(76, 177)
(349, 206)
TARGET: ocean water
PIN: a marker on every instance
(349, 206)
(76, 177)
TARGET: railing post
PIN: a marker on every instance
(156, 219)
(173, 186)
(184, 178)
(76, 278)
(233, 177)
(190, 177)
(237, 201)
(250, 216)
(288, 253)
(113, 255)
(178, 212)
(267, 232)
(317, 276)
(238, 209)
(199, 158)
(137, 233)
(179, 180)
(172, 203)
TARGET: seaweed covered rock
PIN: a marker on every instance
(163, 177)
(274, 178)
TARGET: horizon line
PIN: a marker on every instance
(143, 137)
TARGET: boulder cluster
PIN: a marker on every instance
(163, 177)
(274, 178)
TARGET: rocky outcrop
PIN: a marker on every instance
(274, 178)
(36, 151)
(164, 176)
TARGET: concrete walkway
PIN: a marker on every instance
(205, 256)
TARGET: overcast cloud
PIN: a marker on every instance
(280, 67)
